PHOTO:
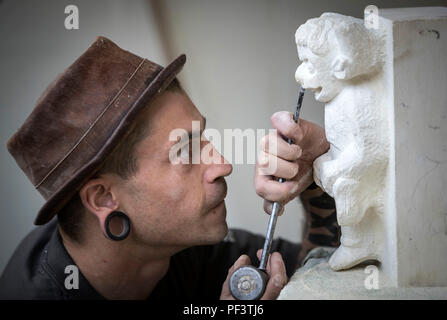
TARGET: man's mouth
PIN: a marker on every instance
(220, 201)
(221, 198)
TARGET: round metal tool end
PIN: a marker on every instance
(248, 283)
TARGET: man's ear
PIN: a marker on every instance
(341, 67)
(97, 197)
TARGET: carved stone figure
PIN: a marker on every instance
(342, 64)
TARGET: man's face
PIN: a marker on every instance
(315, 73)
(174, 205)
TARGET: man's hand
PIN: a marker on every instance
(293, 162)
(275, 269)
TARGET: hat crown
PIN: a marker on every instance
(78, 113)
(70, 105)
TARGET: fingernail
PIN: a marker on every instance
(293, 190)
(239, 262)
(281, 211)
(263, 160)
(296, 170)
(278, 281)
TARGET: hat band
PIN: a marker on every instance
(91, 126)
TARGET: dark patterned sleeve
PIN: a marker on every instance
(321, 228)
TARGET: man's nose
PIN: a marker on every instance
(217, 169)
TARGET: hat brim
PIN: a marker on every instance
(60, 198)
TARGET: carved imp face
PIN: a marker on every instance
(315, 73)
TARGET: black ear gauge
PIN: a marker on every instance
(126, 226)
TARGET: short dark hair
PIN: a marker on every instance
(122, 162)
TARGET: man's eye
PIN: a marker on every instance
(196, 143)
(184, 151)
(190, 150)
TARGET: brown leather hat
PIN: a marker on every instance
(81, 117)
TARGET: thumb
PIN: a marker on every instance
(242, 261)
(278, 277)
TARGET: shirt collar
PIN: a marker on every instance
(55, 260)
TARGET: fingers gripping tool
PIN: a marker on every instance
(249, 282)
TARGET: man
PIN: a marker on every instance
(130, 223)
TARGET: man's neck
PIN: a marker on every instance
(115, 269)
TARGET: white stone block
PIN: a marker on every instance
(387, 167)
(416, 213)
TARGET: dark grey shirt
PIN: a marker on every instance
(37, 268)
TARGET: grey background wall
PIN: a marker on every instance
(240, 69)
